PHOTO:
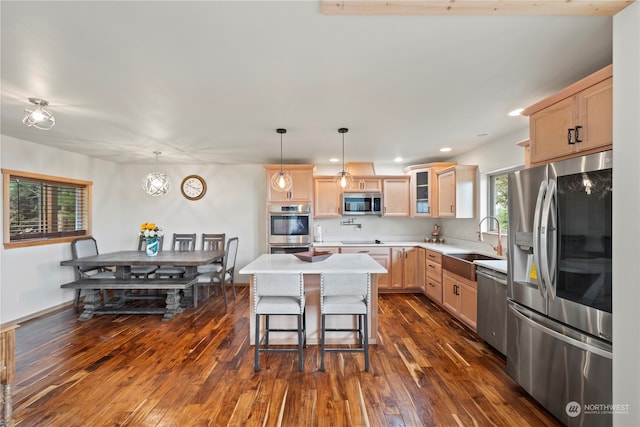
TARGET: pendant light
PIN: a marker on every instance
(40, 117)
(343, 180)
(281, 181)
(156, 183)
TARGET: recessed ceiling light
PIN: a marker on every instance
(445, 149)
(334, 160)
(482, 134)
(397, 159)
(516, 112)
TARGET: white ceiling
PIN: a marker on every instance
(210, 81)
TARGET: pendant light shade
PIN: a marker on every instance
(343, 180)
(40, 117)
(156, 183)
(281, 181)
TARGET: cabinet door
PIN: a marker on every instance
(548, 130)
(422, 194)
(380, 254)
(326, 200)
(434, 290)
(367, 184)
(468, 304)
(596, 115)
(396, 196)
(397, 268)
(301, 190)
(449, 293)
(422, 269)
(447, 194)
(411, 270)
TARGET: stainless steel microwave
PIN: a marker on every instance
(361, 204)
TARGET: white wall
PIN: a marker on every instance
(626, 214)
(30, 277)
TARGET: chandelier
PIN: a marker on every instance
(281, 181)
(343, 180)
(156, 183)
(40, 117)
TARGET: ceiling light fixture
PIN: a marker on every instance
(281, 181)
(516, 112)
(445, 149)
(40, 117)
(343, 179)
(156, 183)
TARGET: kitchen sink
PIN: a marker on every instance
(462, 263)
(360, 242)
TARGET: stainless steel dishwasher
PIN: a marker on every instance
(492, 307)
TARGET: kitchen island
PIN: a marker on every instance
(288, 263)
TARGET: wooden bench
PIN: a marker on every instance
(94, 305)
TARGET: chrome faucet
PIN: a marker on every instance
(498, 247)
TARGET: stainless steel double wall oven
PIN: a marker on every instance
(559, 294)
(289, 228)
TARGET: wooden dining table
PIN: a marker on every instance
(178, 290)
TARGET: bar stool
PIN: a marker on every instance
(346, 294)
(278, 294)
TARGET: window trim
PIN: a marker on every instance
(7, 174)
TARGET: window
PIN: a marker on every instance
(44, 209)
(499, 199)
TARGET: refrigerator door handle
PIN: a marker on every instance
(603, 351)
(542, 191)
(548, 230)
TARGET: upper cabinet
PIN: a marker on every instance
(576, 121)
(423, 188)
(302, 188)
(326, 198)
(366, 184)
(457, 191)
(395, 191)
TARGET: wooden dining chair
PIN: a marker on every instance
(212, 242)
(182, 243)
(84, 247)
(219, 279)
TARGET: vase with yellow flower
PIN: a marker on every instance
(151, 233)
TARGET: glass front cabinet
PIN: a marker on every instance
(424, 192)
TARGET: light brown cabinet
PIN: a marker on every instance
(422, 269)
(576, 121)
(366, 184)
(404, 268)
(326, 198)
(302, 189)
(380, 254)
(433, 267)
(396, 196)
(460, 297)
(424, 189)
(457, 191)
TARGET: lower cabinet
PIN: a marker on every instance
(460, 297)
(404, 268)
(433, 272)
(380, 254)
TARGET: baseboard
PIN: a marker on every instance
(42, 313)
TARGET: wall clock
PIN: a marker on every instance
(193, 187)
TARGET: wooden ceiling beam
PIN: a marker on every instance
(474, 7)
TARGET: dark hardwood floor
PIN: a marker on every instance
(197, 370)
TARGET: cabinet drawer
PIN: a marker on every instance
(434, 271)
(434, 290)
(434, 256)
(371, 250)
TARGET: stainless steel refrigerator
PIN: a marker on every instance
(559, 316)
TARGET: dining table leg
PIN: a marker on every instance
(92, 302)
(172, 305)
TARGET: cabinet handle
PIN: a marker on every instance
(570, 136)
(451, 208)
(578, 133)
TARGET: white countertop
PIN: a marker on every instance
(444, 248)
(287, 263)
